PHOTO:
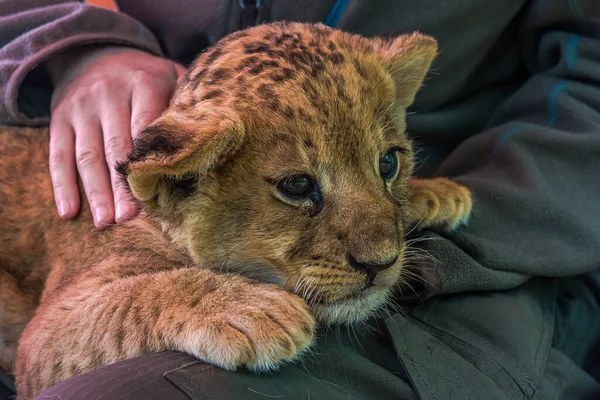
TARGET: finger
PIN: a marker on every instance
(91, 164)
(63, 170)
(116, 127)
(147, 103)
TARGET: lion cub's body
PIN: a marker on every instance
(261, 108)
(40, 253)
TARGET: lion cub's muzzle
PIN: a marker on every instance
(370, 269)
(373, 244)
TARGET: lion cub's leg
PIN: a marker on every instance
(439, 202)
(16, 309)
(222, 319)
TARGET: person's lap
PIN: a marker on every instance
(344, 364)
(537, 341)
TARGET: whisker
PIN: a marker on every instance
(405, 283)
(416, 225)
(421, 239)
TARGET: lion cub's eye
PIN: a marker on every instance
(388, 165)
(298, 186)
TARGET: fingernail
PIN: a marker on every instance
(63, 207)
(100, 213)
(123, 211)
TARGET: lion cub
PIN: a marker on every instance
(276, 191)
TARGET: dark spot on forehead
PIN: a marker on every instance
(270, 100)
(289, 73)
(305, 59)
(325, 113)
(302, 46)
(265, 91)
(359, 68)
(196, 75)
(316, 70)
(282, 75)
(297, 43)
(247, 63)
(270, 64)
(242, 97)
(213, 55)
(336, 58)
(331, 46)
(256, 69)
(289, 112)
(320, 52)
(340, 86)
(271, 104)
(320, 32)
(345, 45)
(252, 60)
(304, 115)
(265, 64)
(256, 47)
(299, 56)
(278, 40)
(211, 94)
(270, 36)
(219, 75)
(311, 92)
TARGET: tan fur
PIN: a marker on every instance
(262, 104)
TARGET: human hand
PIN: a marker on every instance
(103, 97)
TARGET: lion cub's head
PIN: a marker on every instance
(283, 155)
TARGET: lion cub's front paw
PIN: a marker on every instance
(439, 202)
(256, 325)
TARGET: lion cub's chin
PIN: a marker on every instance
(352, 309)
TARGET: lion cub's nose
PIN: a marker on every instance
(370, 268)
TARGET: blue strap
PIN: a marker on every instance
(336, 13)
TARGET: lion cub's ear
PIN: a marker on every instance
(408, 59)
(175, 145)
